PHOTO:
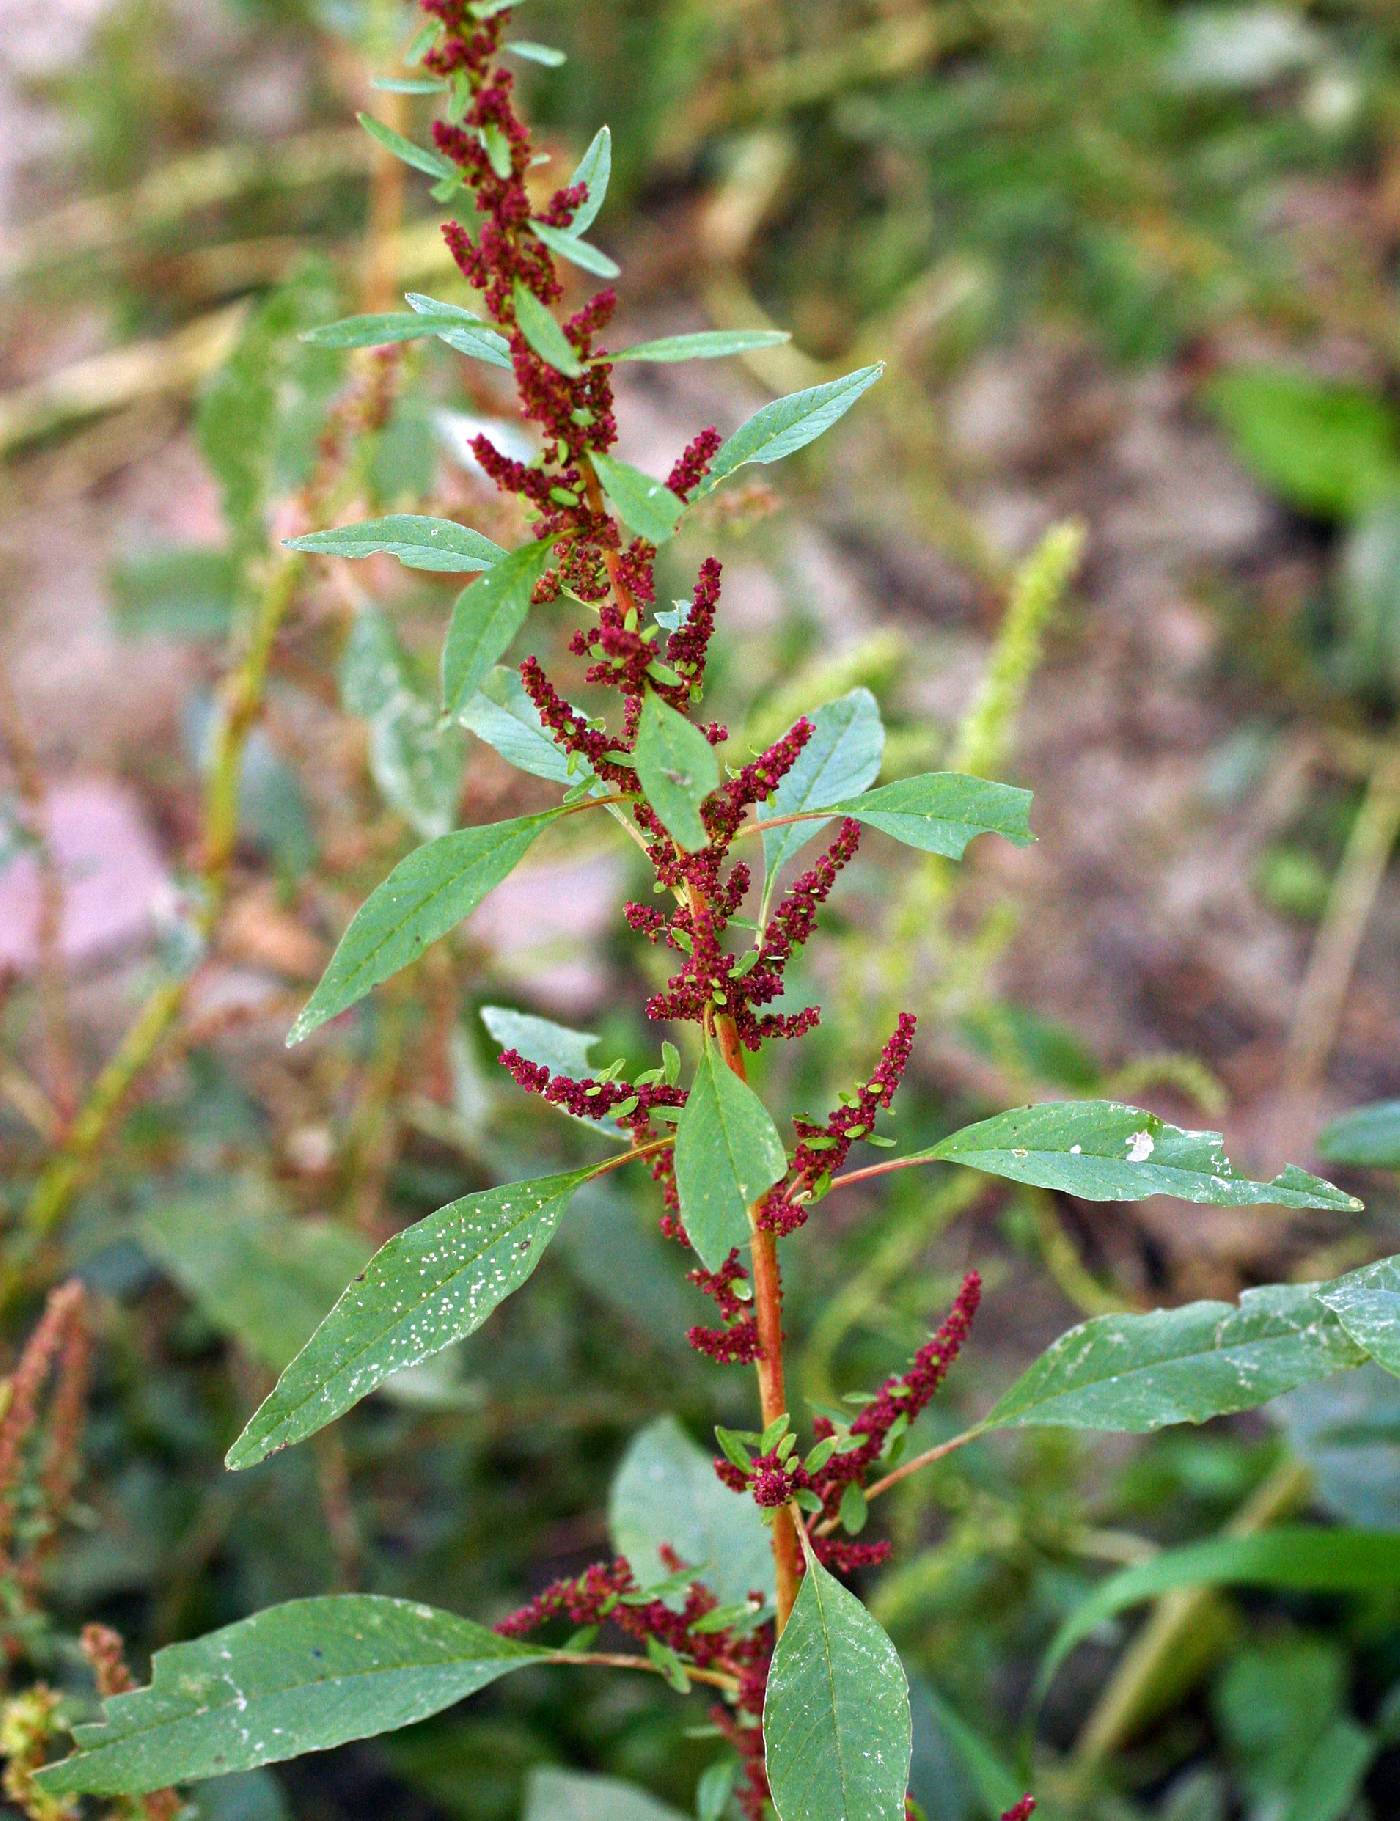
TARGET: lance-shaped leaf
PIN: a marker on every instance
(426, 894)
(1369, 1136)
(677, 768)
(538, 326)
(502, 714)
(418, 543)
(666, 1496)
(463, 330)
(554, 1046)
(593, 171)
(939, 812)
(300, 1677)
(836, 1725)
(703, 344)
(1135, 1373)
(532, 52)
(789, 424)
(644, 505)
(414, 758)
(432, 163)
(580, 253)
(1104, 1151)
(429, 1286)
(377, 331)
(486, 616)
(727, 1153)
(1367, 1303)
(841, 759)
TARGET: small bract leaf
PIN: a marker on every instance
(295, 1678)
(425, 895)
(939, 812)
(543, 333)
(836, 1724)
(1136, 1373)
(789, 424)
(594, 170)
(1105, 1151)
(419, 543)
(841, 759)
(433, 164)
(677, 768)
(502, 714)
(644, 505)
(580, 253)
(703, 344)
(486, 616)
(431, 1285)
(727, 1153)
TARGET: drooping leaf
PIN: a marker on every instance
(463, 330)
(554, 1046)
(580, 253)
(644, 505)
(430, 1285)
(1367, 1304)
(425, 895)
(414, 759)
(419, 543)
(1104, 1151)
(1368, 1137)
(836, 1724)
(421, 157)
(666, 1494)
(486, 616)
(939, 812)
(1296, 1557)
(377, 331)
(727, 1153)
(593, 169)
(788, 424)
(841, 759)
(703, 344)
(296, 1678)
(502, 714)
(677, 768)
(1136, 1373)
(258, 1275)
(540, 328)
(574, 1795)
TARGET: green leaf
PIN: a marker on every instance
(486, 616)
(379, 330)
(996, 1783)
(428, 892)
(645, 506)
(502, 714)
(257, 1275)
(677, 768)
(433, 164)
(1368, 603)
(419, 543)
(1328, 449)
(573, 1795)
(184, 592)
(430, 1285)
(409, 85)
(543, 333)
(414, 759)
(939, 812)
(727, 1153)
(535, 53)
(463, 330)
(1104, 1151)
(704, 344)
(1367, 1304)
(1368, 1137)
(296, 1678)
(788, 424)
(841, 759)
(593, 169)
(1136, 1373)
(1296, 1558)
(553, 1046)
(836, 1723)
(666, 1494)
(580, 253)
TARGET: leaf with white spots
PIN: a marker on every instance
(1104, 1151)
(836, 1724)
(1367, 1303)
(431, 1285)
(426, 894)
(1136, 1373)
(727, 1153)
(297, 1678)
